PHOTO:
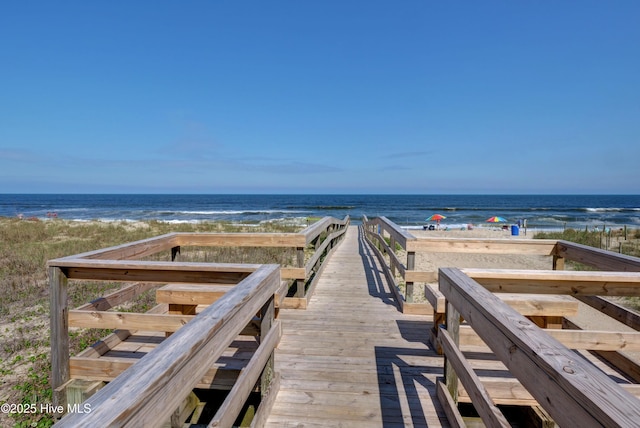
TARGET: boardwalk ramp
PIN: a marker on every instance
(352, 359)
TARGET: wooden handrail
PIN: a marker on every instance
(573, 391)
(400, 236)
(128, 251)
(574, 283)
(316, 229)
(240, 239)
(150, 390)
(596, 257)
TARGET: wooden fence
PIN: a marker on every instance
(149, 392)
(184, 285)
(388, 239)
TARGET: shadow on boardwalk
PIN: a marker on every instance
(376, 281)
(392, 360)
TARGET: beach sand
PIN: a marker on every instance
(434, 261)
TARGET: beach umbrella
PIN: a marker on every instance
(436, 217)
(496, 219)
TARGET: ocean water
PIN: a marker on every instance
(543, 212)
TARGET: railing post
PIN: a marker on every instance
(558, 263)
(267, 315)
(59, 318)
(300, 282)
(174, 253)
(392, 245)
(453, 328)
(411, 263)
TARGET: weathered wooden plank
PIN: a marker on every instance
(509, 391)
(596, 257)
(628, 365)
(421, 276)
(128, 251)
(545, 247)
(575, 339)
(59, 322)
(108, 369)
(614, 310)
(195, 294)
(575, 392)
(293, 273)
(118, 297)
(239, 239)
(128, 320)
(162, 272)
(574, 283)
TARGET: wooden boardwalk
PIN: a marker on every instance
(352, 359)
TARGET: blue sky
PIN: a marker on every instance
(320, 97)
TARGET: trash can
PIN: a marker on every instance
(515, 230)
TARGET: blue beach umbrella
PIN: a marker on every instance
(496, 219)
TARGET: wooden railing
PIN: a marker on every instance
(149, 392)
(381, 229)
(547, 373)
(124, 263)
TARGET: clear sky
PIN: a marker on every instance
(328, 96)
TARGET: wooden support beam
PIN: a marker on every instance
(108, 369)
(545, 247)
(128, 320)
(452, 317)
(411, 265)
(123, 295)
(191, 294)
(572, 283)
(240, 239)
(59, 320)
(300, 283)
(511, 392)
(574, 339)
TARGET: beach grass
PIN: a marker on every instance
(25, 248)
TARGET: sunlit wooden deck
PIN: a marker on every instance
(352, 359)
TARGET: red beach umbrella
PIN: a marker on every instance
(496, 219)
(436, 217)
